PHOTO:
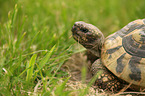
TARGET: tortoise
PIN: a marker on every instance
(121, 55)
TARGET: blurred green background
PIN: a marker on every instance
(109, 15)
(30, 28)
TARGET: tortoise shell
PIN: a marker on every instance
(123, 53)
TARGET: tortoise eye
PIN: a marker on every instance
(84, 30)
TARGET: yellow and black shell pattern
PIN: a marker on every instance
(123, 53)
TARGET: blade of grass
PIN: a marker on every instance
(43, 80)
(85, 91)
(84, 73)
(14, 17)
(60, 89)
(51, 78)
(33, 39)
(46, 58)
(31, 66)
(19, 40)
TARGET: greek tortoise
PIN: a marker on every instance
(121, 55)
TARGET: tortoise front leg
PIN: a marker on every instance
(105, 79)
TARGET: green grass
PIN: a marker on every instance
(35, 39)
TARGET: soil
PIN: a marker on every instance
(74, 66)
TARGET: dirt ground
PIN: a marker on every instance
(74, 66)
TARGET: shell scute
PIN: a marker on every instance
(123, 53)
(133, 65)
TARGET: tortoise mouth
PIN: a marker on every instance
(80, 35)
(74, 29)
(78, 32)
(75, 34)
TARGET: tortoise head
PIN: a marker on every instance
(89, 36)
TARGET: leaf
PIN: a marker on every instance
(46, 58)
(30, 67)
(60, 88)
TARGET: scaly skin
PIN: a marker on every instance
(89, 36)
(92, 39)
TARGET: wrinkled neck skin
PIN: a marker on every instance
(89, 36)
(97, 46)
